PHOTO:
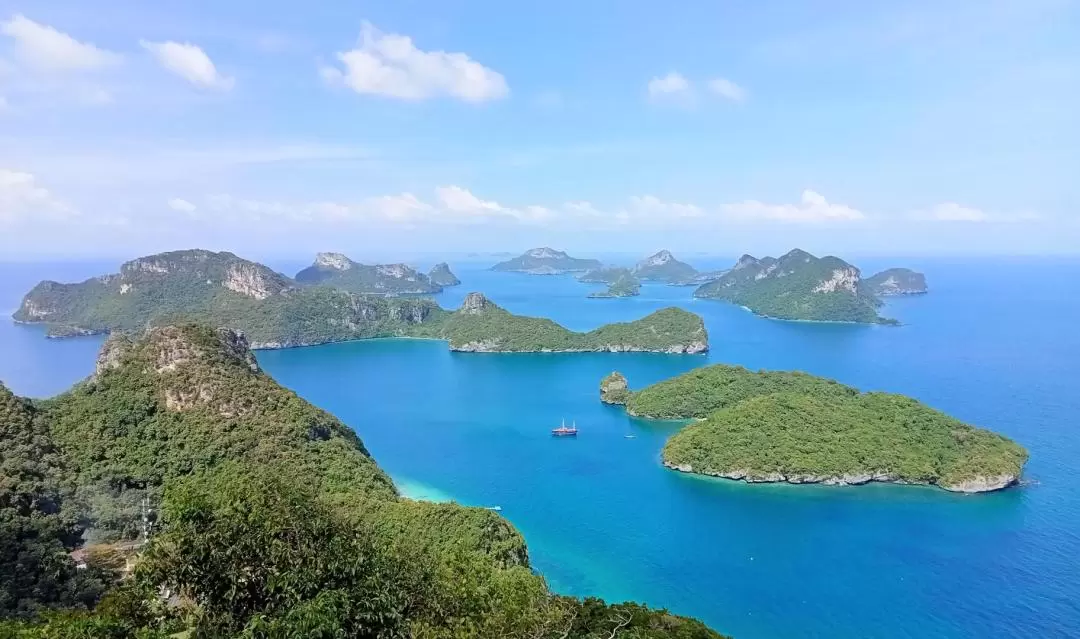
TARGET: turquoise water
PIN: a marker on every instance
(995, 343)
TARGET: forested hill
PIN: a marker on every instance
(241, 481)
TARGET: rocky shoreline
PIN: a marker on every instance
(974, 485)
(692, 348)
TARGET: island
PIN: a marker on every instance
(481, 326)
(337, 270)
(663, 267)
(624, 286)
(798, 428)
(605, 275)
(273, 311)
(797, 286)
(179, 466)
(441, 275)
(546, 261)
(896, 281)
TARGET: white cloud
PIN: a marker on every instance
(3, 104)
(459, 200)
(952, 212)
(727, 89)
(189, 62)
(22, 198)
(183, 206)
(48, 49)
(672, 85)
(812, 207)
(391, 65)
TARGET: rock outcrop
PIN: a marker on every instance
(441, 275)
(614, 389)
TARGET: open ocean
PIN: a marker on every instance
(996, 343)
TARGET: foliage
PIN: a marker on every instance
(626, 286)
(338, 271)
(788, 288)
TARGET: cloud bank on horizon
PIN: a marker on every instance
(715, 127)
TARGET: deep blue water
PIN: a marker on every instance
(995, 344)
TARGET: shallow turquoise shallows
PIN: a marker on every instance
(995, 343)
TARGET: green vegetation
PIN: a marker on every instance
(626, 286)
(797, 286)
(895, 281)
(268, 518)
(221, 289)
(546, 261)
(481, 326)
(665, 268)
(784, 426)
(605, 275)
(338, 271)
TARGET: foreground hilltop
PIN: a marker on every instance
(546, 261)
(180, 456)
(222, 289)
(337, 270)
(797, 286)
(798, 428)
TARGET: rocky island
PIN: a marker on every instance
(546, 261)
(179, 446)
(625, 286)
(896, 281)
(605, 275)
(798, 428)
(441, 275)
(337, 270)
(484, 327)
(797, 286)
(663, 267)
(222, 289)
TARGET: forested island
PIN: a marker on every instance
(797, 286)
(627, 286)
(663, 267)
(337, 270)
(221, 289)
(896, 281)
(546, 261)
(605, 275)
(136, 505)
(798, 428)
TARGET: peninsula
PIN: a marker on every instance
(546, 261)
(896, 281)
(798, 428)
(221, 289)
(178, 447)
(797, 286)
(337, 270)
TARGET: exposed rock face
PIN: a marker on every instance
(440, 275)
(843, 279)
(251, 280)
(745, 261)
(982, 484)
(173, 348)
(896, 281)
(399, 271)
(614, 389)
(335, 261)
(662, 266)
(474, 304)
(112, 353)
(545, 253)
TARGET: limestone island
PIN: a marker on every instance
(797, 286)
(621, 283)
(663, 267)
(274, 311)
(798, 428)
(441, 275)
(896, 281)
(337, 270)
(181, 422)
(605, 275)
(546, 261)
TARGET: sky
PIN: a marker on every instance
(403, 127)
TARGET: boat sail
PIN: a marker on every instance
(564, 430)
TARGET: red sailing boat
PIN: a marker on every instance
(564, 430)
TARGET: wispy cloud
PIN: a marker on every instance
(676, 89)
(391, 65)
(22, 197)
(47, 49)
(190, 63)
(812, 207)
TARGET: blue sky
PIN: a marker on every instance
(382, 128)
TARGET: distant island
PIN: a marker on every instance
(481, 326)
(273, 311)
(441, 275)
(799, 428)
(546, 261)
(605, 275)
(896, 281)
(663, 267)
(337, 270)
(181, 458)
(797, 286)
(625, 286)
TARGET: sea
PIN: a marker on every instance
(995, 343)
